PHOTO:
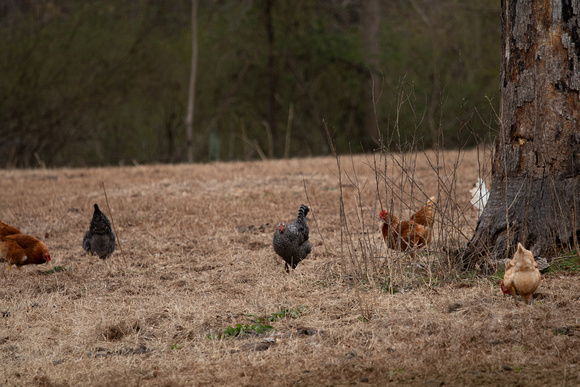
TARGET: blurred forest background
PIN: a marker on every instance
(105, 82)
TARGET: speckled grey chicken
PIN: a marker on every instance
(99, 239)
(291, 241)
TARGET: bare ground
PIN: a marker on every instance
(195, 257)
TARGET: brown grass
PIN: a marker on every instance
(197, 258)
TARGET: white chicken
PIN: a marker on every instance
(479, 196)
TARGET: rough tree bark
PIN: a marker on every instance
(536, 164)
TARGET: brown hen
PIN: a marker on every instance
(413, 233)
(21, 249)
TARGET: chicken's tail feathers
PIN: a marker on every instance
(303, 211)
(426, 215)
(97, 213)
(97, 209)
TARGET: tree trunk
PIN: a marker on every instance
(536, 164)
(191, 99)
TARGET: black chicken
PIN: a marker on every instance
(99, 239)
(291, 242)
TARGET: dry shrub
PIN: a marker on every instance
(403, 181)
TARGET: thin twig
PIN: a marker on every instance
(114, 228)
(314, 217)
(574, 233)
(343, 222)
(288, 131)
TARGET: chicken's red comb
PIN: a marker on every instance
(503, 288)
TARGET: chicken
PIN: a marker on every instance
(479, 195)
(521, 275)
(6, 229)
(291, 241)
(413, 233)
(21, 249)
(99, 239)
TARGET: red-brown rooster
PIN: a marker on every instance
(413, 233)
(21, 249)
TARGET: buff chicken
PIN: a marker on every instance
(413, 233)
(20, 249)
(521, 276)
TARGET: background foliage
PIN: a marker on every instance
(103, 82)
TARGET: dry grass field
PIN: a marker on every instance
(195, 260)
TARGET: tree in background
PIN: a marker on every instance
(107, 82)
(371, 16)
(536, 166)
(192, 78)
(272, 76)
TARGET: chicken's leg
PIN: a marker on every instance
(528, 299)
(515, 297)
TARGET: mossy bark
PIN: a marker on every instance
(534, 195)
